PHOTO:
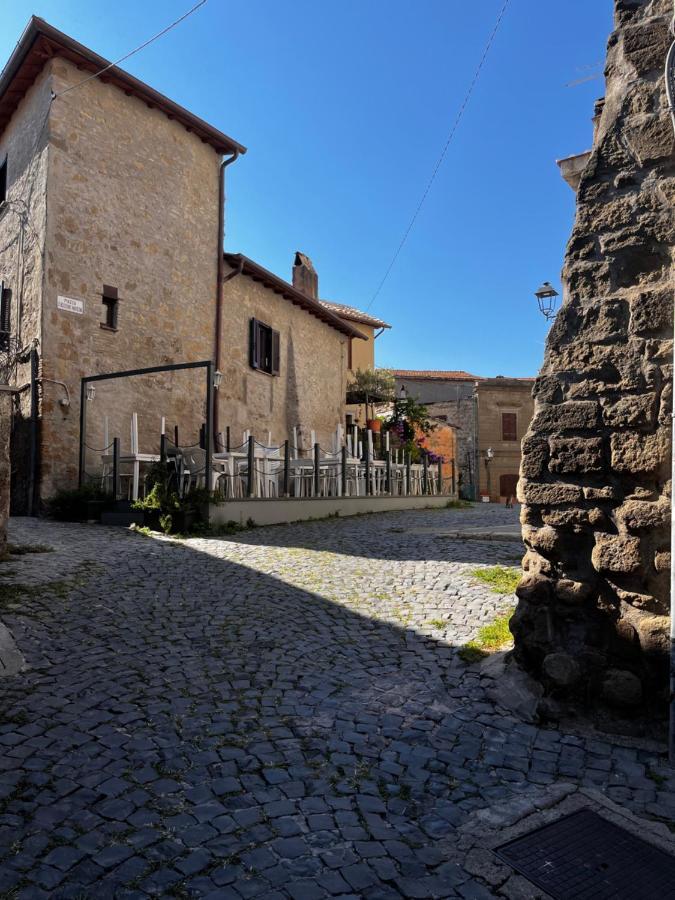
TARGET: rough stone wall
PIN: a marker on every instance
(24, 143)
(461, 415)
(496, 396)
(5, 431)
(132, 203)
(309, 391)
(592, 619)
(456, 402)
(443, 442)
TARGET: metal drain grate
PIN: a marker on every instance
(583, 856)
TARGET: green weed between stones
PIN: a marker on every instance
(23, 549)
(490, 638)
(13, 592)
(200, 530)
(500, 579)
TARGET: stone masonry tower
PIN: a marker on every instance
(592, 619)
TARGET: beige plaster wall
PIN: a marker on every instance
(309, 391)
(133, 203)
(494, 400)
(363, 352)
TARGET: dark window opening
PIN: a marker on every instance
(110, 307)
(3, 180)
(509, 427)
(264, 347)
(5, 316)
(350, 351)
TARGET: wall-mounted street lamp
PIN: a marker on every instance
(489, 456)
(217, 378)
(64, 402)
(547, 299)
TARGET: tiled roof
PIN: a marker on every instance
(452, 375)
(243, 264)
(40, 41)
(353, 314)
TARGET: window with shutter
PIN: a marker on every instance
(509, 427)
(275, 352)
(253, 344)
(5, 315)
(264, 348)
(110, 302)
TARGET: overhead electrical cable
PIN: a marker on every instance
(439, 162)
(132, 52)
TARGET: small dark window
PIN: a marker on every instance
(5, 315)
(264, 349)
(349, 354)
(509, 427)
(110, 306)
(3, 180)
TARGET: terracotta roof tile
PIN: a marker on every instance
(353, 314)
(450, 375)
(40, 41)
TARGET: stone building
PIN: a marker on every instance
(313, 357)
(361, 353)
(504, 411)
(111, 232)
(592, 618)
(450, 398)
(5, 422)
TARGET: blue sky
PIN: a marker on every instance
(344, 108)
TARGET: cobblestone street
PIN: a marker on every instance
(279, 714)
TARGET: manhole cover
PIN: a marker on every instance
(584, 856)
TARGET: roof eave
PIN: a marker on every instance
(274, 282)
(86, 59)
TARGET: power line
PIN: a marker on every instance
(132, 52)
(439, 162)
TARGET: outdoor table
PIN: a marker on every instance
(136, 459)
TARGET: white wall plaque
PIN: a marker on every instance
(70, 305)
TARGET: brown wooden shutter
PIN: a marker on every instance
(275, 353)
(509, 427)
(5, 316)
(254, 345)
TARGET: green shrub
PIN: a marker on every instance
(73, 505)
(163, 505)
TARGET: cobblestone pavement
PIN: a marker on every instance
(282, 714)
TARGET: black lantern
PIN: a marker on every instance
(547, 299)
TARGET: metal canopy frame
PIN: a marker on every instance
(152, 370)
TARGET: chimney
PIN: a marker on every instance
(305, 278)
